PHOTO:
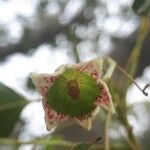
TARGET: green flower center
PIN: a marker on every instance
(73, 93)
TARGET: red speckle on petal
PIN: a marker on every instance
(95, 74)
(89, 68)
(84, 67)
(51, 115)
(44, 90)
(104, 97)
(47, 79)
(45, 83)
(53, 79)
(61, 117)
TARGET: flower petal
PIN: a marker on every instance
(105, 100)
(93, 68)
(86, 122)
(52, 118)
(43, 82)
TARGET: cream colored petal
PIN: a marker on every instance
(105, 100)
(52, 118)
(86, 122)
(92, 68)
(43, 82)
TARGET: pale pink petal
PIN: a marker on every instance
(52, 118)
(104, 100)
(92, 68)
(86, 122)
(43, 82)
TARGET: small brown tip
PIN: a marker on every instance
(73, 88)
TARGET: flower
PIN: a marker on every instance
(74, 91)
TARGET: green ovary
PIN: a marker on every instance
(73, 94)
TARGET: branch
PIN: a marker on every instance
(34, 37)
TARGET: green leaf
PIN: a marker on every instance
(11, 104)
(30, 84)
(137, 4)
(141, 7)
(82, 146)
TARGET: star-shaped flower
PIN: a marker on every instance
(74, 91)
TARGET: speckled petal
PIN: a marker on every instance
(86, 122)
(104, 100)
(52, 118)
(43, 82)
(92, 68)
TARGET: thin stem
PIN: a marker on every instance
(131, 144)
(76, 55)
(10, 141)
(44, 142)
(16, 104)
(12, 105)
(98, 139)
(107, 125)
(135, 55)
(144, 89)
(129, 77)
(131, 69)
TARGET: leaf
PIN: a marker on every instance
(82, 146)
(11, 104)
(137, 4)
(141, 7)
(30, 84)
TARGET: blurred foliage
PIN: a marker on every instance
(82, 146)
(11, 105)
(53, 147)
(30, 84)
(141, 7)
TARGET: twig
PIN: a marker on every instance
(127, 75)
(9, 141)
(17, 104)
(13, 105)
(44, 142)
(144, 89)
(98, 139)
(107, 125)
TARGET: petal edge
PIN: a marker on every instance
(105, 99)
